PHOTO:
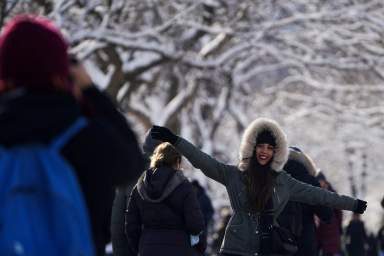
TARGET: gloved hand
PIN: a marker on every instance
(360, 206)
(163, 134)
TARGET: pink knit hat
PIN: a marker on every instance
(32, 51)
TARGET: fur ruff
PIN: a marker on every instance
(248, 143)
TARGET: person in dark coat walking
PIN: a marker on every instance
(163, 211)
(302, 168)
(372, 245)
(120, 244)
(41, 95)
(356, 237)
(258, 187)
(207, 209)
(329, 234)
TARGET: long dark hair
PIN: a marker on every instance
(259, 182)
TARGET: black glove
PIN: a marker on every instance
(163, 134)
(360, 206)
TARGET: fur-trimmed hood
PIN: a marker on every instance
(248, 143)
(305, 160)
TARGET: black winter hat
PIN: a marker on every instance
(266, 137)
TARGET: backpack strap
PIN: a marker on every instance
(65, 136)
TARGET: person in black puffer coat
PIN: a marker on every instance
(302, 168)
(163, 211)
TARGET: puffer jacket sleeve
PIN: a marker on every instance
(193, 216)
(200, 160)
(324, 213)
(133, 223)
(304, 193)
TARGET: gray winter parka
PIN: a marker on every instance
(242, 233)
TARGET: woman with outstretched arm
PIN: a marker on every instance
(257, 185)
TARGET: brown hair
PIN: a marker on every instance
(165, 155)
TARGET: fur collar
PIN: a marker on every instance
(305, 160)
(248, 143)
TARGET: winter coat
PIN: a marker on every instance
(242, 235)
(120, 244)
(356, 237)
(207, 210)
(103, 154)
(300, 167)
(163, 212)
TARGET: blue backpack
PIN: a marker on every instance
(42, 209)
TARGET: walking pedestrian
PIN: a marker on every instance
(163, 212)
(356, 236)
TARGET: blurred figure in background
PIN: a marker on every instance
(206, 208)
(329, 234)
(372, 245)
(297, 217)
(356, 236)
(380, 240)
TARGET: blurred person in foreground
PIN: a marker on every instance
(42, 94)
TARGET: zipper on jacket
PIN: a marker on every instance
(277, 195)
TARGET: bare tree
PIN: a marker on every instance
(206, 68)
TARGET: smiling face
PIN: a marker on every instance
(264, 153)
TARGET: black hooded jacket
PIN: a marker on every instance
(162, 212)
(104, 154)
